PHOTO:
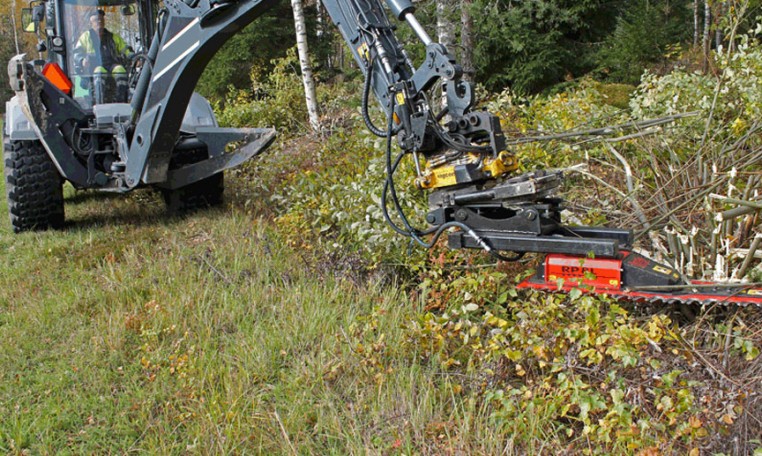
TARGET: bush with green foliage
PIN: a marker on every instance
(583, 106)
(731, 98)
(253, 51)
(275, 100)
(7, 50)
(548, 373)
(338, 191)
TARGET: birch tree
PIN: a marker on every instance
(304, 62)
(466, 39)
(718, 35)
(444, 24)
(707, 38)
(444, 34)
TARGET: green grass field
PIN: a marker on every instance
(130, 331)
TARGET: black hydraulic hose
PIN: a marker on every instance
(365, 95)
(385, 211)
(410, 231)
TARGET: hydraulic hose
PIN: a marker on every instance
(365, 95)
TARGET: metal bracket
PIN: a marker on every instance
(259, 139)
(575, 241)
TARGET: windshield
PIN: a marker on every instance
(82, 60)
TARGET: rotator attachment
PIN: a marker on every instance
(520, 215)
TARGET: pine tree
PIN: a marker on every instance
(531, 45)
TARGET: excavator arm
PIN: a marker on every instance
(460, 153)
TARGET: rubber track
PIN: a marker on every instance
(33, 187)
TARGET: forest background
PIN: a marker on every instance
(531, 47)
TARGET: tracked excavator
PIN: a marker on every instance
(62, 125)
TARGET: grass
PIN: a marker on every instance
(134, 332)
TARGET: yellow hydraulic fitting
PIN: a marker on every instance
(504, 163)
(442, 176)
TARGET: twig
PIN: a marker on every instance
(603, 131)
(707, 363)
(736, 212)
(726, 351)
(711, 114)
(626, 165)
(667, 215)
(724, 199)
(638, 210)
(215, 270)
(632, 136)
(749, 255)
(745, 252)
(283, 431)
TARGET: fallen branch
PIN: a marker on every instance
(604, 131)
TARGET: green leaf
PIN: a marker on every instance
(575, 293)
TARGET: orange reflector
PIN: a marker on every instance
(57, 77)
(396, 118)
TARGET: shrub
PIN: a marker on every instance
(277, 101)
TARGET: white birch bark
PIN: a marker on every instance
(444, 25)
(466, 40)
(444, 35)
(707, 39)
(15, 28)
(304, 62)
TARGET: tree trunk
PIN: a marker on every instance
(707, 40)
(718, 30)
(466, 40)
(15, 28)
(444, 25)
(695, 23)
(444, 35)
(304, 61)
(320, 21)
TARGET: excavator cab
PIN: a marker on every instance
(98, 63)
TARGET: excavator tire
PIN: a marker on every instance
(198, 195)
(33, 186)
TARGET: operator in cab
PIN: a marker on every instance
(102, 53)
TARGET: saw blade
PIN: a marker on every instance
(740, 295)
